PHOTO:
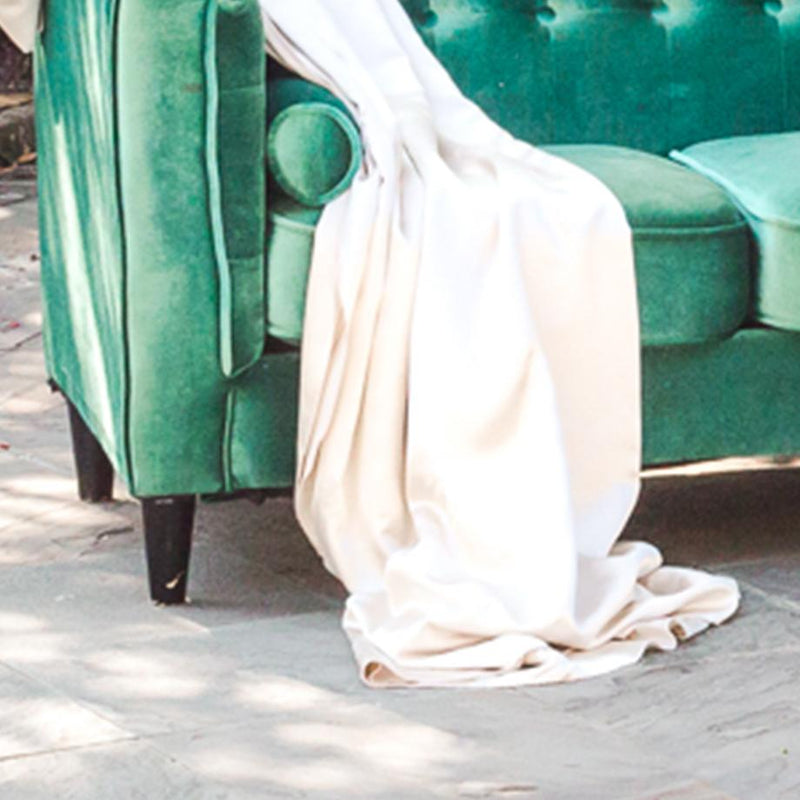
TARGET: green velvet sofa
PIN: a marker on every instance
(174, 266)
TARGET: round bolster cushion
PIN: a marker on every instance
(313, 143)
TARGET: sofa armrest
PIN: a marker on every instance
(313, 143)
(190, 92)
(235, 107)
(191, 98)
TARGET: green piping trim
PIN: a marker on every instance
(215, 191)
(778, 322)
(277, 217)
(689, 231)
(125, 433)
(115, 442)
(666, 341)
(224, 273)
(282, 222)
(227, 442)
(772, 222)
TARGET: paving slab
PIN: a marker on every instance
(33, 424)
(36, 719)
(23, 370)
(20, 309)
(251, 690)
(122, 771)
(776, 579)
(491, 745)
(165, 673)
(686, 712)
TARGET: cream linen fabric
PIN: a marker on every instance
(469, 439)
(19, 18)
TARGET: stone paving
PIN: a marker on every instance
(250, 691)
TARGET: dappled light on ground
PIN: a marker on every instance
(251, 691)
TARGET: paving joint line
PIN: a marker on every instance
(17, 345)
(69, 748)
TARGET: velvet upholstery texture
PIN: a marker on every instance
(759, 172)
(164, 262)
(646, 74)
(313, 154)
(235, 106)
(81, 232)
(735, 397)
(691, 245)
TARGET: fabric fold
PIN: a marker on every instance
(469, 437)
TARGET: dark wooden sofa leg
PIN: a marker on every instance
(95, 473)
(168, 523)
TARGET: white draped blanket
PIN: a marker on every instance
(469, 436)
(468, 450)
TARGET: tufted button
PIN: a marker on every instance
(420, 13)
(541, 9)
(545, 13)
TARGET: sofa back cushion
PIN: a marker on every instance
(642, 73)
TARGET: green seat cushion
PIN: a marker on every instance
(290, 238)
(690, 243)
(761, 174)
(313, 144)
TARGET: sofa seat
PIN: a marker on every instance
(691, 248)
(303, 122)
(760, 173)
(691, 244)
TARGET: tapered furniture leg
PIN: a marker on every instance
(95, 473)
(168, 525)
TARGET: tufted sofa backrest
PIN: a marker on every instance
(643, 73)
